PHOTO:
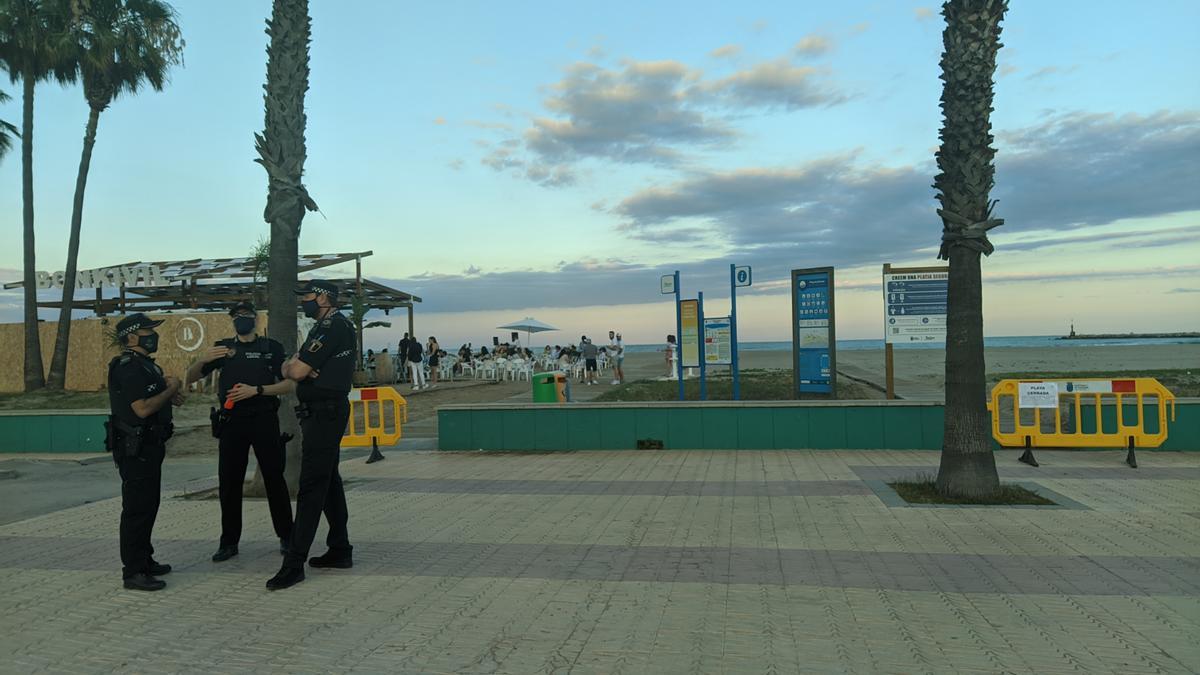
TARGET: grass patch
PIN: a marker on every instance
(1183, 382)
(923, 490)
(54, 400)
(756, 385)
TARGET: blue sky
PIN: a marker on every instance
(553, 160)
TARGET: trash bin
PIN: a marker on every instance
(550, 387)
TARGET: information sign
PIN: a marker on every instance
(813, 341)
(718, 341)
(1037, 395)
(666, 284)
(689, 339)
(742, 276)
(914, 304)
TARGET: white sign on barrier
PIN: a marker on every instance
(1037, 395)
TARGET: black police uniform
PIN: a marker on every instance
(329, 349)
(251, 422)
(132, 377)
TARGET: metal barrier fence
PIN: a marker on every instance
(1084, 413)
(377, 416)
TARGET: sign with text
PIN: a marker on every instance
(814, 345)
(718, 341)
(689, 340)
(113, 277)
(666, 284)
(1037, 395)
(914, 304)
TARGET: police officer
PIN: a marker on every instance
(248, 394)
(140, 398)
(323, 369)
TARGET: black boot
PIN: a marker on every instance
(158, 569)
(285, 578)
(144, 582)
(332, 560)
(224, 553)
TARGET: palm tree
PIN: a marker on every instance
(7, 131)
(32, 36)
(281, 151)
(966, 176)
(120, 45)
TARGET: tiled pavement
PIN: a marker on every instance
(642, 562)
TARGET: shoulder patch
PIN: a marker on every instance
(125, 359)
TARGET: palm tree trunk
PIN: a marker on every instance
(34, 373)
(281, 150)
(967, 467)
(58, 361)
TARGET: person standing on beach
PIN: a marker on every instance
(402, 355)
(590, 354)
(616, 351)
(416, 365)
(671, 353)
(435, 360)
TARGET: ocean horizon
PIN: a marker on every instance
(1023, 341)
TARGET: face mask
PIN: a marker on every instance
(311, 308)
(148, 342)
(244, 325)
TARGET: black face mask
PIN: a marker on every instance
(311, 308)
(148, 342)
(244, 325)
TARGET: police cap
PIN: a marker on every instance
(134, 323)
(320, 287)
(243, 306)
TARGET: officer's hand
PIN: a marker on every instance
(178, 399)
(215, 353)
(173, 383)
(241, 392)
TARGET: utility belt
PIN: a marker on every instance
(219, 418)
(127, 440)
(321, 408)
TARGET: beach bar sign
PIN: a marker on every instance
(914, 305)
(114, 277)
(689, 339)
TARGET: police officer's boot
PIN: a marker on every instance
(144, 582)
(224, 553)
(285, 578)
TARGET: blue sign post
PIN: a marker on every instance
(738, 276)
(678, 335)
(814, 354)
(703, 368)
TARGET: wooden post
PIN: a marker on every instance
(411, 331)
(888, 368)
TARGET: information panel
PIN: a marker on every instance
(914, 305)
(718, 341)
(814, 361)
(689, 341)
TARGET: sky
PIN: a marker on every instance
(549, 160)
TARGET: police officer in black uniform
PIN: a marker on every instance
(248, 394)
(137, 431)
(323, 369)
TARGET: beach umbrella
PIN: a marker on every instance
(529, 325)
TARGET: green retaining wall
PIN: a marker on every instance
(759, 425)
(52, 430)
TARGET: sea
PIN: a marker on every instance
(1003, 341)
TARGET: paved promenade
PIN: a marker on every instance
(642, 562)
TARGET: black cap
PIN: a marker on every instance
(134, 323)
(318, 286)
(243, 306)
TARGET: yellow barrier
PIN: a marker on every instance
(369, 419)
(1083, 413)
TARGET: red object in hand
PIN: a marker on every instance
(228, 403)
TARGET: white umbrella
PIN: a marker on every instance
(528, 325)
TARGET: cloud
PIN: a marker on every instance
(1183, 290)
(923, 13)
(649, 112)
(1007, 69)
(455, 164)
(1072, 170)
(726, 51)
(1046, 71)
(860, 28)
(813, 45)
(439, 120)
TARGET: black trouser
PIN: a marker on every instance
(320, 484)
(141, 490)
(261, 430)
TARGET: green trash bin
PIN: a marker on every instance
(550, 387)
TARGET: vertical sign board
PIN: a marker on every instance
(689, 338)
(814, 356)
(914, 302)
(718, 342)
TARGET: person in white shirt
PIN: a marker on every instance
(672, 372)
(616, 351)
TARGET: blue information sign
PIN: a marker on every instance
(813, 334)
(914, 304)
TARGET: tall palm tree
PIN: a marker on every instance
(7, 131)
(32, 36)
(966, 176)
(120, 45)
(281, 151)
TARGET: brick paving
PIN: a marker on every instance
(641, 562)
